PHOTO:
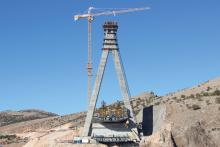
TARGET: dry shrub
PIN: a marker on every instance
(217, 100)
(195, 107)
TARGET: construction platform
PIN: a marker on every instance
(113, 132)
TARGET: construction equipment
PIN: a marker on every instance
(111, 113)
(90, 16)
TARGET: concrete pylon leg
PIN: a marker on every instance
(95, 93)
(122, 82)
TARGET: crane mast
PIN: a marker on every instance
(89, 66)
(90, 16)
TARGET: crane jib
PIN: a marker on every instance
(113, 12)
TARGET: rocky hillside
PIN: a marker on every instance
(191, 118)
(187, 118)
(11, 117)
(43, 123)
(17, 134)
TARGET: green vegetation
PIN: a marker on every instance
(21, 116)
(157, 103)
(195, 107)
(216, 92)
(198, 95)
(205, 94)
(217, 100)
(178, 100)
(209, 88)
(187, 105)
(174, 98)
(183, 96)
(199, 99)
(208, 102)
(192, 96)
(9, 137)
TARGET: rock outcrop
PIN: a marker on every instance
(192, 118)
(161, 138)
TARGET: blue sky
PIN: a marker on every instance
(43, 52)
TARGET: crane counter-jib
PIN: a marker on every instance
(77, 17)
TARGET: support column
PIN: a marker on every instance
(95, 93)
(123, 83)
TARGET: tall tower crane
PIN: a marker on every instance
(90, 17)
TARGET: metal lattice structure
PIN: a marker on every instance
(110, 45)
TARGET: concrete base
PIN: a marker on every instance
(113, 132)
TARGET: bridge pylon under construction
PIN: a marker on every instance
(111, 128)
